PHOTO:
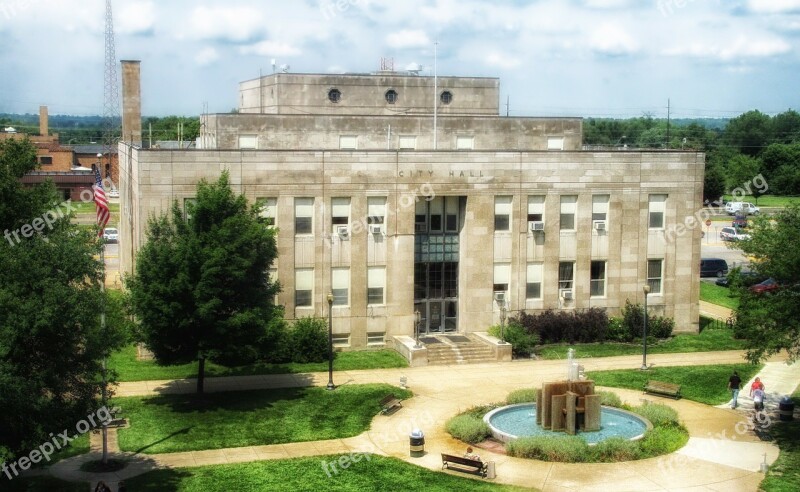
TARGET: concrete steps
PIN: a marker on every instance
(451, 353)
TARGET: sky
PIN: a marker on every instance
(605, 58)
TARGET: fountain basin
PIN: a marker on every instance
(513, 421)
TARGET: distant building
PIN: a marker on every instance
(393, 211)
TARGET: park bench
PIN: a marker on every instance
(389, 402)
(663, 389)
(465, 465)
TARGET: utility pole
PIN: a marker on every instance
(435, 93)
(668, 116)
(508, 105)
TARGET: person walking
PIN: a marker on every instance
(734, 383)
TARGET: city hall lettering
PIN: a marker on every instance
(431, 174)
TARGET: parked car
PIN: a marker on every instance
(113, 194)
(746, 278)
(110, 235)
(745, 208)
(739, 220)
(713, 267)
(768, 285)
(732, 234)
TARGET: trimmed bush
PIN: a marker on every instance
(309, 340)
(633, 324)
(610, 399)
(468, 428)
(663, 440)
(566, 449)
(521, 396)
(660, 327)
(589, 325)
(615, 449)
(522, 342)
(659, 415)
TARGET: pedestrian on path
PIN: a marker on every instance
(102, 487)
(734, 383)
(757, 385)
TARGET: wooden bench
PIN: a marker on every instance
(663, 389)
(389, 402)
(465, 465)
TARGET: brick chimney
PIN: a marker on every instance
(131, 102)
(44, 122)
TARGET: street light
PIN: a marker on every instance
(330, 342)
(500, 298)
(646, 290)
(417, 319)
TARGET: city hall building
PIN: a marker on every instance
(394, 207)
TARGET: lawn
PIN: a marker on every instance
(769, 200)
(708, 340)
(89, 207)
(716, 294)
(42, 484)
(784, 474)
(130, 369)
(370, 472)
(173, 423)
(705, 384)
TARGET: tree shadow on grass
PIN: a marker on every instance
(185, 430)
(237, 401)
(167, 480)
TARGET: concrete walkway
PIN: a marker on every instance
(724, 451)
(714, 311)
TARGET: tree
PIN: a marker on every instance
(51, 341)
(781, 164)
(714, 183)
(771, 322)
(201, 289)
(749, 132)
(741, 171)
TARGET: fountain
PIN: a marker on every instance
(570, 406)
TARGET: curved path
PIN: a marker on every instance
(724, 451)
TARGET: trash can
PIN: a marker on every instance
(416, 443)
(490, 471)
(786, 408)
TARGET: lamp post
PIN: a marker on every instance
(417, 319)
(330, 386)
(646, 290)
(501, 303)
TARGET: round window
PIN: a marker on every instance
(334, 95)
(391, 96)
(446, 97)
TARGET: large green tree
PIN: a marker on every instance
(51, 341)
(771, 322)
(201, 289)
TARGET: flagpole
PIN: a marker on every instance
(103, 333)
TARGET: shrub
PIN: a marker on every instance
(633, 323)
(522, 342)
(309, 340)
(521, 396)
(617, 331)
(480, 410)
(609, 399)
(277, 343)
(663, 440)
(590, 325)
(659, 415)
(615, 449)
(468, 428)
(660, 327)
(567, 449)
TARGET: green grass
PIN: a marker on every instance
(88, 207)
(173, 423)
(42, 484)
(130, 369)
(769, 200)
(77, 446)
(784, 474)
(721, 296)
(704, 384)
(371, 472)
(708, 340)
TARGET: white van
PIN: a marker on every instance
(745, 208)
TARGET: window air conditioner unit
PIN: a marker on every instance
(500, 296)
(375, 229)
(600, 225)
(565, 294)
(342, 232)
(536, 225)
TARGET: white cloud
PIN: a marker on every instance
(235, 24)
(270, 48)
(773, 6)
(135, 18)
(741, 47)
(607, 4)
(610, 39)
(494, 59)
(408, 39)
(206, 56)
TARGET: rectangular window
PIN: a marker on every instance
(451, 214)
(654, 275)
(188, 208)
(465, 143)
(502, 277)
(657, 208)
(533, 286)
(340, 214)
(502, 213)
(45, 160)
(376, 338)
(600, 207)
(376, 283)
(555, 143)
(568, 208)
(303, 287)
(303, 215)
(340, 286)
(248, 142)
(437, 214)
(348, 142)
(421, 216)
(376, 210)
(340, 339)
(565, 274)
(267, 210)
(407, 142)
(598, 279)
(535, 208)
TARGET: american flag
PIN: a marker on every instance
(100, 201)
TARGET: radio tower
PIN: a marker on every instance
(110, 99)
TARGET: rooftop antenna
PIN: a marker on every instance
(273, 65)
(285, 68)
(110, 95)
(387, 64)
(435, 93)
